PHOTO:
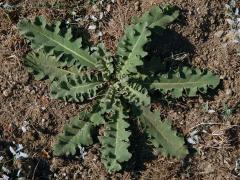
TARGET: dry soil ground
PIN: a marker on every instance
(200, 32)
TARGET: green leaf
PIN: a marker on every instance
(185, 80)
(159, 17)
(96, 116)
(78, 132)
(105, 59)
(135, 93)
(77, 88)
(131, 48)
(109, 101)
(46, 65)
(161, 134)
(70, 83)
(115, 142)
(50, 37)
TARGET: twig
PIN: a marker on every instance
(33, 177)
(212, 124)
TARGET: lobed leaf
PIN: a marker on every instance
(115, 142)
(109, 101)
(185, 80)
(131, 48)
(161, 134)
(78, 132)
(135, 93)
(158, 17)
(47, 65)
(105, 59)
(50, 37)
(77, 88)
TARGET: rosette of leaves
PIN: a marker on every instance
(114, 84)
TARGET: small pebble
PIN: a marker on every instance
(43, 121)
(6, 92)
(193, 140)
(100, 34)
(137, 6)
(237, 165)
(5, 177)
(43, 108)
(228, 92)
(33, 92)
(92, 27)
(86, 17)
(219, 34)
(211, 111)
(78, 19)
(101, 15)
(24, 129)
(108, 9)
(74, 13)
(93, 18)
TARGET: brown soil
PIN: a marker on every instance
(196, 33)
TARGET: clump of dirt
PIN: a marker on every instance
(29, 117)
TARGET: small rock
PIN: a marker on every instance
(101, 15)
(193, 140)
(228, 92)
(211, 111)
(137, 6)
(32, 92)
(191, 12)
(5, 177)
(74, 13)
(92, 27)
(237, 165)
(219, 34)
(86, 17)
(6, 92)
(78, 19)
(93, 18)
(108, 9)
(100, 34)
